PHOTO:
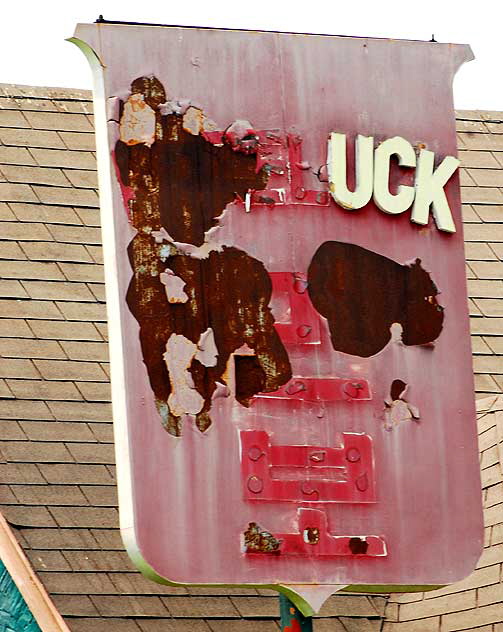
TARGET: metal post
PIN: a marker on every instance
(292, 620)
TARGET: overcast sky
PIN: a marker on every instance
(34, 50)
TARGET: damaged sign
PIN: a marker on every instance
(286, 318)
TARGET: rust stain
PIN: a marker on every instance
(182, 183)
(259, 541)
(362, 294)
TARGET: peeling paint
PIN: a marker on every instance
(137, 124)
(174, 286)
(193, 120)
(184, 399)
(397, 409)
(207, 351)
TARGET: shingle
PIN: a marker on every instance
(28, 516)
(109, 605)
(16, 193)
(137, 584)
(76, 473)
(62, 291)
(24, 232)
(102, 430)
(101, 453)
(362, 625)
(58, 121)
(60, 539)
(101, 496)
(40, 389)
(35, 175)
(110, 540)
(15, 156)
(64, 158)
(30, 348)
(10, 430)
(57, 330)
(21, 308)
(45, 213)
(5, 392)
(50, 251)
(89, 216)
(488, 364)
(109, 624)
(76, 234)
(481, 141)
(80, 178)
(487, 177)
(83, 311)
(24, 409)
(490, 306)
(256, 606)
(80, 411)
(495, 343)
(478, 195)
(36, 452)
(486, 384)
(488, 269)
(98, 290)
(57, 431)
(59, 195)
(77, 107)
(77, 140)
(20, 473)
(478, 159)
(74, 605)
(96, 253)
(69, 370)
(10, 250)
(77, 583)
(30, 138)
(6, 496)
(12, 289)
(204, 607)
(83, 272)
(49, 495)
(470, 126)
(489, 213)
(13, 368)
(12, 118)
(198, 625)
(485, 289)
(6, 215)
(479, 251)
(97, 351)
(85, 516)
(99, 561)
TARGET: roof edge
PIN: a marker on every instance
(41, 92)
(36, 597)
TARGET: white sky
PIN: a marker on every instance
(33, 50)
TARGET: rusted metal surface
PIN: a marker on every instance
(362, 293)
(278, 336)
(181, 185)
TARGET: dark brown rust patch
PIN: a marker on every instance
(362, 293)
(312, 535)
(259, 541)
(182, 183)
(358, 546)
(250, 377)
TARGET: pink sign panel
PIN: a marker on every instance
(291, 364)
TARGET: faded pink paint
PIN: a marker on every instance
(190, 509)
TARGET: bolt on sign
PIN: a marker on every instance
(291, 365)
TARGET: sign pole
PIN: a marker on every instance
(291, 619)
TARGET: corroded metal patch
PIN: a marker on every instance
(362, 294)
(182, 184)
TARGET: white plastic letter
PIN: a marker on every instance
(430, 190)
(337, 171)
(404, 197)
